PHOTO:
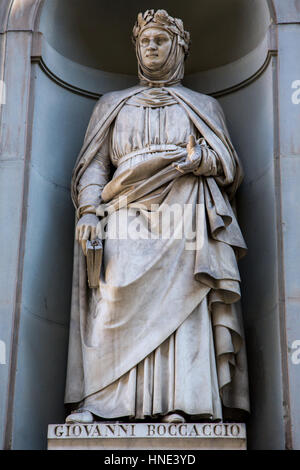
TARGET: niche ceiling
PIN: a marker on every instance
(97, 33)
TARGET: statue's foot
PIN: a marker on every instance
(80, 416)
(173, 418)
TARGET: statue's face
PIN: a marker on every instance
(155, 45)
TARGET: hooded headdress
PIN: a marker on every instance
(172, 71)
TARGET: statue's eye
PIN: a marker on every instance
(160, 40)
(145, 42)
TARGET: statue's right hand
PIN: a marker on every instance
(86, 229)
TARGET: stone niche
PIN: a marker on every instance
(82, 49)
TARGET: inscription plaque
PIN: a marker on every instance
(147, 436)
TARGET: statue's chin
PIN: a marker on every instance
(153, 66)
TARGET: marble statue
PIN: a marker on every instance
(161, 338)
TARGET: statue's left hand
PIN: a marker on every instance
(194, 156)
(86, 229)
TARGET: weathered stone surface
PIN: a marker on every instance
(160, 133)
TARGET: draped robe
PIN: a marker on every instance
(131, 341)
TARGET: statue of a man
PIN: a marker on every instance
(162, 336)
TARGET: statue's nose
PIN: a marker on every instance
(152, 45)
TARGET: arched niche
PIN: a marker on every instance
(89, 46)
(81, 49)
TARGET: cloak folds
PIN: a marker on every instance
(94, 365)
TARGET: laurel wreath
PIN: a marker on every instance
(162, 19)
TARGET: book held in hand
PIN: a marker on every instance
(94, 250)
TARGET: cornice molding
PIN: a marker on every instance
(93, 83)
(62, 83)
(249, 80)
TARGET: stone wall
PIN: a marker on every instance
(51, 88)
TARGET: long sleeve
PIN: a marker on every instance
(210, 164)
(93, 180)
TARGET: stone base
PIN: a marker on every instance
(147, 436)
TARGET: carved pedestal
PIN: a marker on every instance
(147, 436)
